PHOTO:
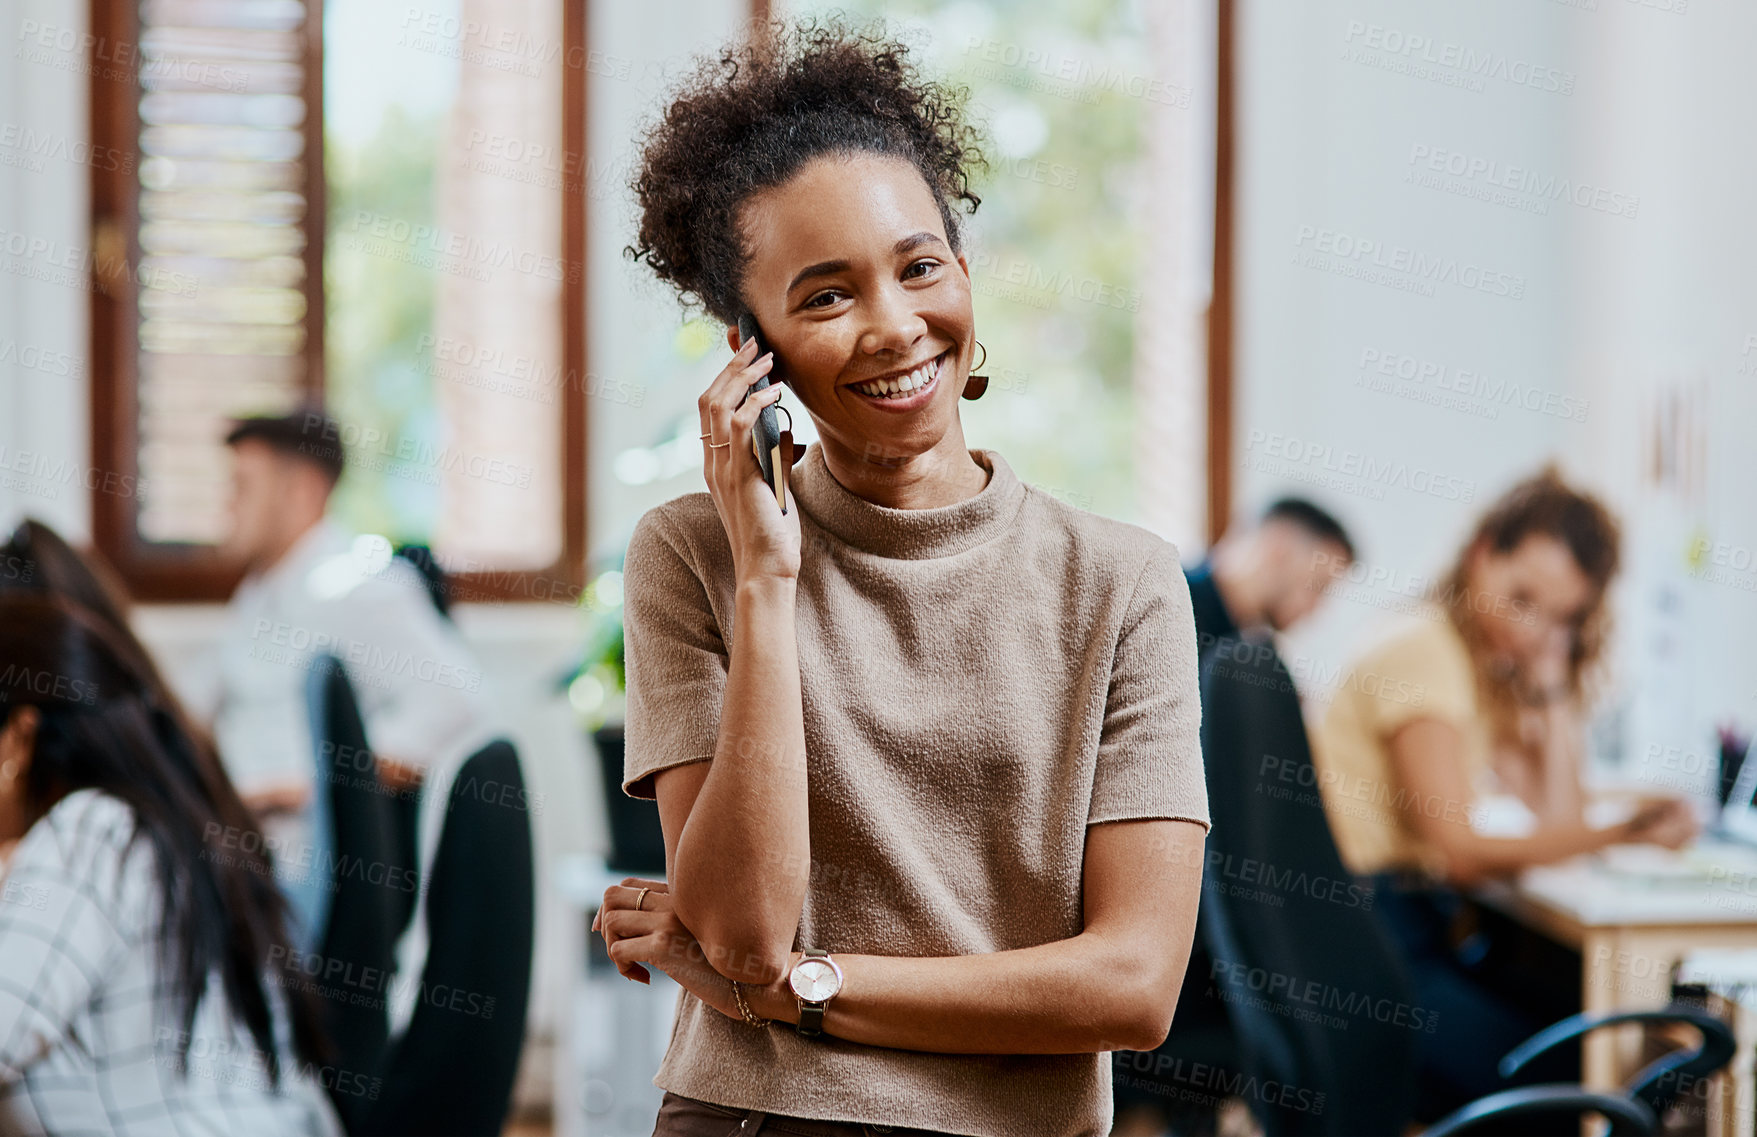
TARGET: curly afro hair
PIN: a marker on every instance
(751, 118)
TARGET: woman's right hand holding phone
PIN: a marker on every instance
(765, 542)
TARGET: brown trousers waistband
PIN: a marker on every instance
(686, 1117)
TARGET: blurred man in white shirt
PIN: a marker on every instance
(313, 590)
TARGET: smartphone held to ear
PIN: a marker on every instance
(773, 446)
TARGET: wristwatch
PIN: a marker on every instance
(815, 980)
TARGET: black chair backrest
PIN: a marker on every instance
(373, 884)
(1323, 1008)
(1661, 1082)
(1555, 1108)
(637, 841)
(452, 1070)
(433, 575)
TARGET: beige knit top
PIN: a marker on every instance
(981, 682)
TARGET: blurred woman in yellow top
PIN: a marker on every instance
(1488, 695)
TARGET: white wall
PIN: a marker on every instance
(1670, 306)
(1343, 105)
(1324, 144)
(45, 208)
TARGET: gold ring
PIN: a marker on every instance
(705, 435)
(639, 900)
(718, 445)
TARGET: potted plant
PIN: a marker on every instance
(596, 687)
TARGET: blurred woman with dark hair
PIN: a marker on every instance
(37, 559)
(1487, 696)
(140, 920)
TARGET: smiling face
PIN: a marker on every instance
(1544, 597)
(867, 309)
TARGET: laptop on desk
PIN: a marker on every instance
(1729, 843)
(1737, 823)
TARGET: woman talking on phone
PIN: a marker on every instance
(924, 744)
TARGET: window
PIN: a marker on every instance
(434, 213)
(1095, 251)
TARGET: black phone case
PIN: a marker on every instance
(766, 436)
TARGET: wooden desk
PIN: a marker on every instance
(1730, 978)
(1630, 933)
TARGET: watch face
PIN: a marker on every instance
(814, 980)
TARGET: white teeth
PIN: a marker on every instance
(903, 385)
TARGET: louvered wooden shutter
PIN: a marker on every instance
(206, 254)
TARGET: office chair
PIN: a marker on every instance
(1301, 954)
(372, 884)
(451, 1071)
(637, 842)
(1639, 1109)
(406, 806)
(1281, 954)
(1175, 1079)
(433, 575)
(1661, 1082)
(1627, 1116)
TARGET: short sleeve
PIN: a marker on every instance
(1423, 674)
(1149, 750)
(675, 655)
(65, 917)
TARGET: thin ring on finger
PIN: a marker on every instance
(640, 898)
(704, 404)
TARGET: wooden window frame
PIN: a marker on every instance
(1221, 304)
(161, 571)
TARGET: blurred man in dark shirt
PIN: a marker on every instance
(1255, 582)
(1270, 576)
